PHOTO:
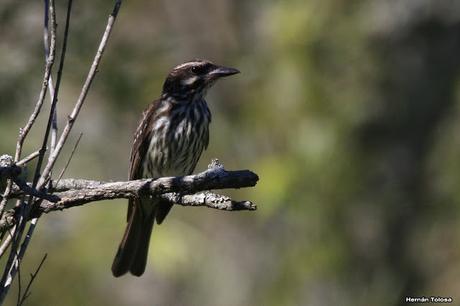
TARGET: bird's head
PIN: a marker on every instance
(194, 78)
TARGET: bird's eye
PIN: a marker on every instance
(198, 69)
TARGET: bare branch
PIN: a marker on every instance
(34, 192)
(46, 44)
(52, 114)
(81, 99)
(209, 199)
(28, 158)
(178, 190)
(19, 286)
(191, 190)
(70, 157)
(215, 178)
(25, 131)
(32, 278)
(40, 180)
(8, 169)
(16, 253)
(6, 243)
(6, 162)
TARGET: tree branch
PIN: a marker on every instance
(7, 168)
(181, 190)
(81, 99)
(24, 212)
(16, 252)
(209, 199)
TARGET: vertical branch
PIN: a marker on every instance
(52, 115)
(39, 181)
(32, 278)
(5, 161)
(69, 159)
(5, 196)
(12, 264)
(81, 99)
(23, 132)
(18, 250)
(48, 66)
(6, 242)
(46, 44)
(49, 128)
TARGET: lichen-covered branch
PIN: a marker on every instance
(182, 190)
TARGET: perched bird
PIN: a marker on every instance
(172, 134)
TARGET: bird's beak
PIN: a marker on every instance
(221, 71)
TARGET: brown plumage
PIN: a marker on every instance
(172, 134)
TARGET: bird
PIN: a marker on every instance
(170, 137)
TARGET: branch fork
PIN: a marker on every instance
(44, 195)
(190, 190)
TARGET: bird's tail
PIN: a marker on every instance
(133, 250)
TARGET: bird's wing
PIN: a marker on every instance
(140, 146)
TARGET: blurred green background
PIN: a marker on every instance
(347, 110)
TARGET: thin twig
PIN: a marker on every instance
(40, 181)
(19, 286)
(84, 92)
(25, 209)
(32, 278)
(54, 125)
(70, 158)
(53, 114)
(55, 97)
(25, 131)
(27, 159)
(13, 259)
(46, 44)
